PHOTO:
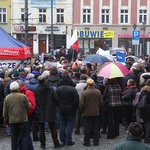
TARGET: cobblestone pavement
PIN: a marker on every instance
(104, 144)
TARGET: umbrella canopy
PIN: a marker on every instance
(96, 58)
(112, 70)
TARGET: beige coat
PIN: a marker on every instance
(90, 102)
(15, 108)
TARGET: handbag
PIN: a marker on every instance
(142, 103)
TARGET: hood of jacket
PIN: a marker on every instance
(66, 80)
(32, 84)
(23, 89)
(43, 88)
(53, 78)
(146, 88)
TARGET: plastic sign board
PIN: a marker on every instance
(95, 34)
(135, 37)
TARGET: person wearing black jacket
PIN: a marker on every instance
(68, 100)
(47, 100)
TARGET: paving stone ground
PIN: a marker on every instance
(104, 144)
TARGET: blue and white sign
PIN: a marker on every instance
(120, 57)
(135, 37)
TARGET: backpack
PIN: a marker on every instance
(142, 103)
(35, 116)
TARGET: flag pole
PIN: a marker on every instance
(72, 54)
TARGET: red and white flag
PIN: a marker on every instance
(74, 40)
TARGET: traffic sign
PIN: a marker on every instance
(136, 35)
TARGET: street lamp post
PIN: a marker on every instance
(26, 22)
(134, 27)
(52, 38)
(143, 47)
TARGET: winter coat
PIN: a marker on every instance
(135, 103)
(145, 113)
(91, 102)
(31, 98)
(129, 95)
(68, 97)
(80, 87)
(47, 100)
(132, 143)
(15, 108)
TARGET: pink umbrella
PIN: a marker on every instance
(112, 70)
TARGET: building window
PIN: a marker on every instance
(22, 15)
(124, 16)
(60, 15)
(42, 15)
(105, 15)
(142, 16)
(2, 15)
(86, 15)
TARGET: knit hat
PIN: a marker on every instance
(46, 73)
(30, 76)
(135, 128)
(14, 86)
(90, 82)
(16, 74)
(41, 77)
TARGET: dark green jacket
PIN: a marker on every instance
(132, 143)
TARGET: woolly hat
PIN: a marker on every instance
(16, 74)
(46, 73)
(41, 77)
(14, 86)
(90, 82)
(135, 128)
(30, 76)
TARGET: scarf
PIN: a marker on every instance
(128, 87)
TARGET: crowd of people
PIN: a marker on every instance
(70, 95)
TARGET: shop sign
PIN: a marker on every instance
(108, 34)
(49, 28)
(95, 34)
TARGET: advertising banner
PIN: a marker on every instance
(42, 3)
(9, 63)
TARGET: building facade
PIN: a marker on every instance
(39, 23)
(100, 23)
(5, 15)
(110, 23)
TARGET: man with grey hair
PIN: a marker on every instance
(15, 115)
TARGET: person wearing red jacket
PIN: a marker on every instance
(23, 89)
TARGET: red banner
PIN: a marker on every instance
(15, 53)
